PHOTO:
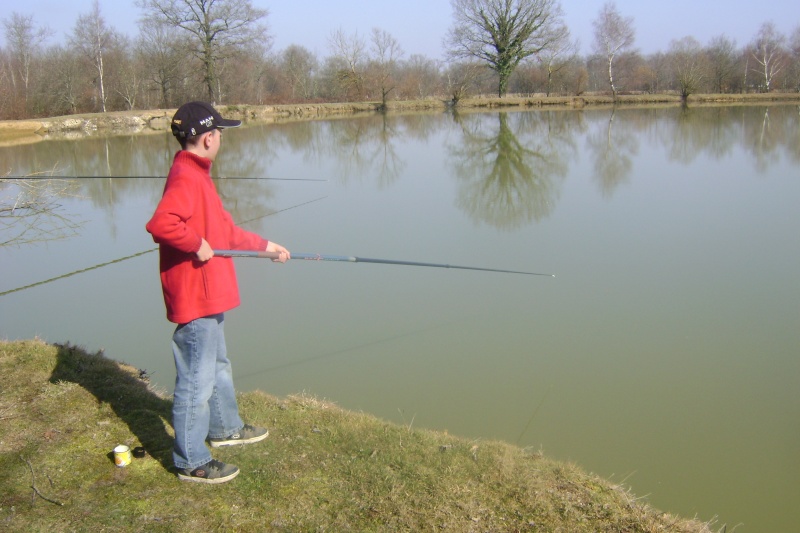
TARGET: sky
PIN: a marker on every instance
(420, 26)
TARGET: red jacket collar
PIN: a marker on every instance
(186, 157)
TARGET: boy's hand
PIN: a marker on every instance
(283, 253)
(205, 252)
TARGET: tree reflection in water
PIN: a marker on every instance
(613, 149)
(31, 211)
(510, 175)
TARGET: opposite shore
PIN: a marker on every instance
(142, 121)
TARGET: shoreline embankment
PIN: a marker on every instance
(143, 121)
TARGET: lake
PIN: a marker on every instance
(663, 355)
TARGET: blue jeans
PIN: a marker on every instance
(204, 404)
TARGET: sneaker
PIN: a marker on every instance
(212, 472)
(247, 435)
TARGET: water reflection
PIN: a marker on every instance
(701, 131)
(510, 174)
(767, 137)
(612, 149)
(367, 148)
(509, 166)
(31, 212)
(690, 133)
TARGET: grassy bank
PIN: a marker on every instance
(322, 468)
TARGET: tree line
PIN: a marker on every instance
(222, 52)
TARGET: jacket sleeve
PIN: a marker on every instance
(169, 222)
(240, 239)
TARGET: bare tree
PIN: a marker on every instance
(386, 54)
(769, 53)
(721, 53)
(242, 74)
(613, 34)
(131, 74)
(64, 81)
(164, 61)
(502, 32)
(421, 77)
(93, 39)
(24, 42)
(794, 45)
(462, 77)
(218, 27)
(349, 60)
(689, 65)
(559, 54)
(298, 66)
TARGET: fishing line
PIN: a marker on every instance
(77, 272)
(121, 259)
(535, 411)
(282, 210)
(343, 351)
(47, 177)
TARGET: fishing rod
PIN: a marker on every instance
(52, 177)
(121, 259)
(352, 259)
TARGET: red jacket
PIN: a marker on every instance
(191, 210)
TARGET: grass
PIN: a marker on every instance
(63, 410)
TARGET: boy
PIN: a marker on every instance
(188, 224)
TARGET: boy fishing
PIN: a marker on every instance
(188, 224)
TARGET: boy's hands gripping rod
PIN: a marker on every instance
(353, 259)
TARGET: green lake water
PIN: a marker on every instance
(664, 355)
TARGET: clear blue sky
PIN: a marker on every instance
(420, 25)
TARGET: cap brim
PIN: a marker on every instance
(227, 123)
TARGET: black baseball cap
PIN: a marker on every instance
(194, 118)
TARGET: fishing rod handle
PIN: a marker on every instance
(275, 255)
(247, 253)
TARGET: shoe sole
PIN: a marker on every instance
(212, 481)
(237, 442)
